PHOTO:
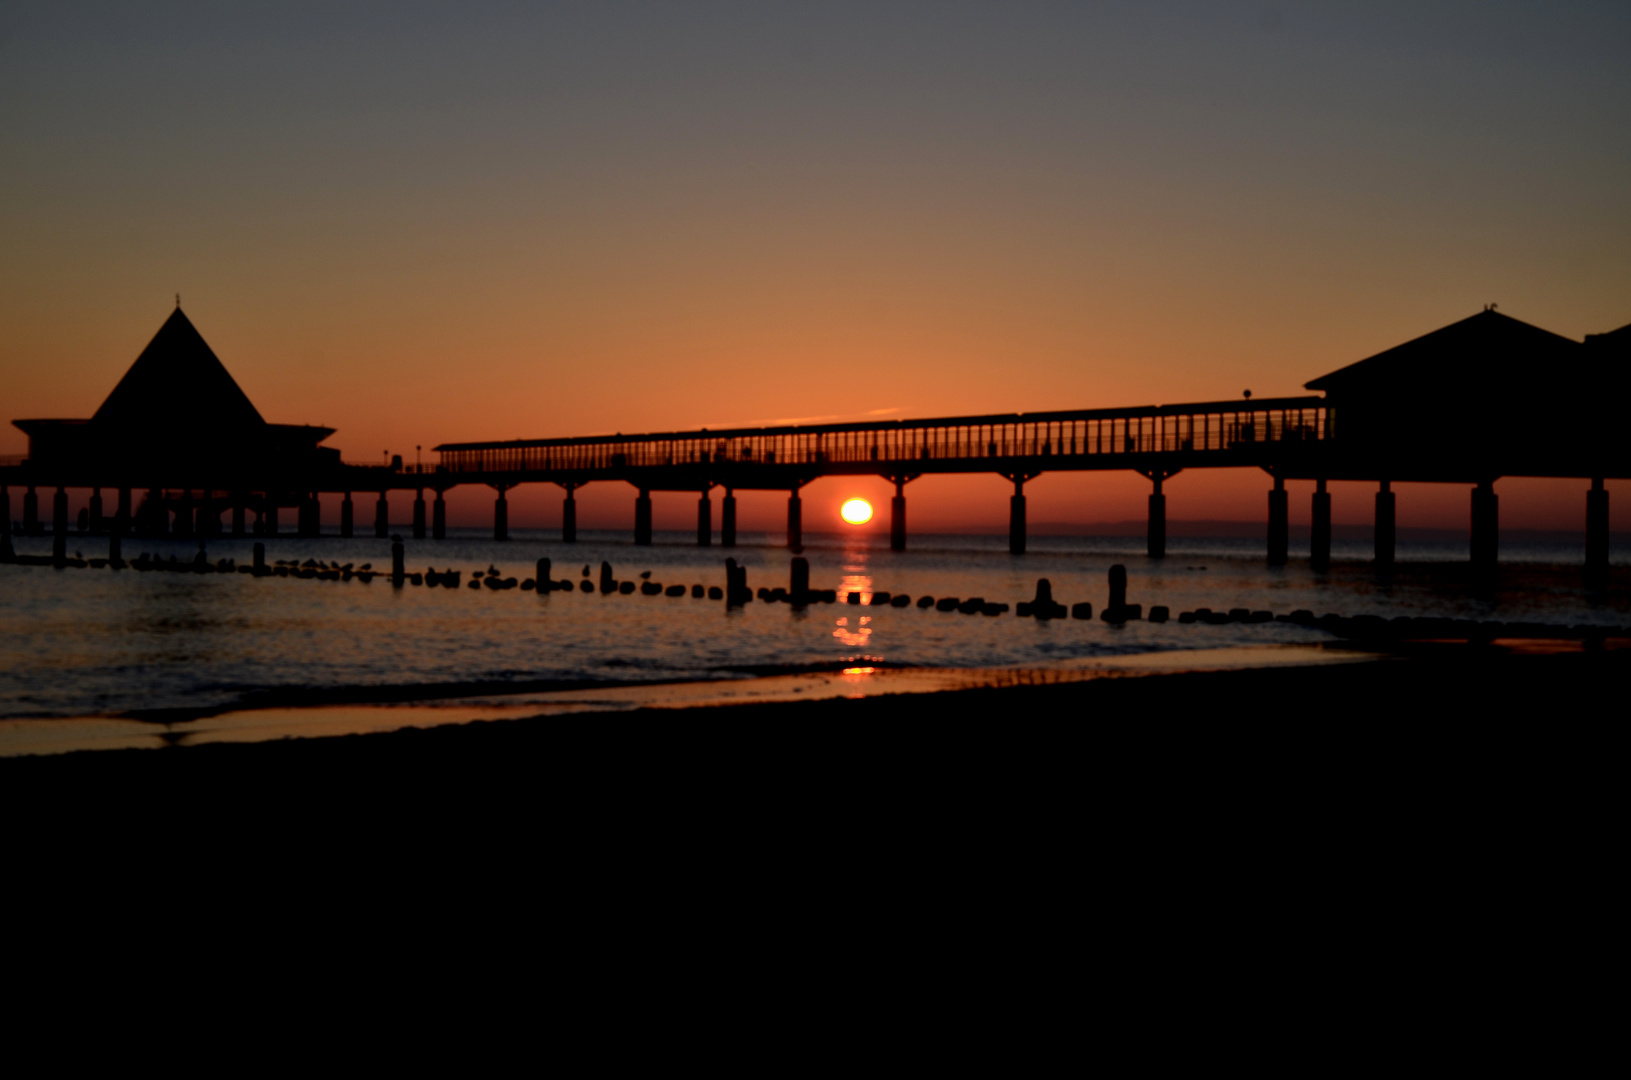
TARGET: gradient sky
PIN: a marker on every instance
(420, 223)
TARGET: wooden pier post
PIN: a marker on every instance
(311, 510)
(269, 517)
(1279, 524)
(238, 513)
(501, 514)
(5, 510)
(642, 518)
(95, 508)
(705, 520)
(31, 512)
(1319, 536)
(184, 514)
(795, 522)
(438, 517)
(1155, 542)
(382, 516)
(419, 515)
(897, 517)
(1597, 532)
(1016, 516)
(399, 568)
(121, 519)
(1485, 540)
(569, 517)
(347, 517)
(1385, 525)
(59, 524)
(727, 519)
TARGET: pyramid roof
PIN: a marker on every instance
(178, 382)
(1484, 353)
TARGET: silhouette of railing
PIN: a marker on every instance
(971, 442)
(12, 460)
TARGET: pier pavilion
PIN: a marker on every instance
(1484, 398)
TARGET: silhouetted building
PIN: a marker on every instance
(177, 418)
(1484, 397)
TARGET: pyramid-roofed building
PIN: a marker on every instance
(1489, 395)
(176, 418)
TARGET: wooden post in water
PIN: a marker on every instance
(347, 517)
(1279, 524)
(438, 517)
(1385, 525)
(1597, 533)
(1016, 516)
(419, 515)
(96, 510)
(1155, 540)
(795, 522)
(382, 516)
(642, 518)
(1319, 536)
(59, 524)
(727, 519)
(569, 517)
(705, 520)
(501, 515)
(1485, 540)
(31, 512)
(121, 515)
(897, 517)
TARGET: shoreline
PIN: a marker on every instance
(1438, 685)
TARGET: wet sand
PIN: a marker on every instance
(1528, 711)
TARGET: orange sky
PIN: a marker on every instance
(489, 222)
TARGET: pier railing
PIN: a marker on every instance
(1083, 439)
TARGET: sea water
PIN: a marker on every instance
(85, 642)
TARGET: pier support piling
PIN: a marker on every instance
(311, 511)
(419, 515)
(121, 519)
(1016, 516)
(642, 518)
(347, 518)
(238, 514)
(1155, 540)
(1485, 540)
(897, 513)
(1385, 525)
(727, 519)
(569, 517)
(382, 517)
(438, 517)
(501, 515)
(31, 512)
(1279, 524)
(705, 520)
(795, 522)
(59, 524)
(1319, 536)
(1597, 532)
(5, 510)
(269, 517)
(95, 508)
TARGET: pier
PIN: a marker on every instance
(184, 453)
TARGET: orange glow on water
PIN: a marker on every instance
(856, 511)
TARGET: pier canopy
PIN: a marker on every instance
(177, 416)
(1487, 396)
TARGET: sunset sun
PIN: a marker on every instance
(856, 511)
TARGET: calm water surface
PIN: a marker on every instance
(84, 642)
